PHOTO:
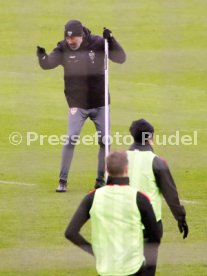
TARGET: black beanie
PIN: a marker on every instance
(73, 28)
(141, 130)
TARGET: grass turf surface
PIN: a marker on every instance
(163, 80)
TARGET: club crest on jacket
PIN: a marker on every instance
(91, 56)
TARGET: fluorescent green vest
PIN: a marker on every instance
(142, 178)
(116, 227)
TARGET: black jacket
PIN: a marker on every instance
(84, 69)
(165, 182)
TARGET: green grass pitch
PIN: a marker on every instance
(164, 80)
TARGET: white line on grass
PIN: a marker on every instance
(16, 183)
(189, 201)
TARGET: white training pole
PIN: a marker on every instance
(106, 101)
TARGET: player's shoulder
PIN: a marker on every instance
(143, 201)
(143, 196)
(160, 163)
(160, 160)
(91, 192)
(88, 199)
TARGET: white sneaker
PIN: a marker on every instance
(62, 187)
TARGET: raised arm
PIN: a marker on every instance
(116, 52)
(52, 60)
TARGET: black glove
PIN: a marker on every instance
(41, 52)
(107, 34)
(183, 227)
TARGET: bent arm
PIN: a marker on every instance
(52, 60)
(116, 52)
(80, 217)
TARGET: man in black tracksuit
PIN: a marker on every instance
(154, 175)
(82, 56)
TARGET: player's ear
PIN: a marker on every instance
(126, 169)
(151, 139)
